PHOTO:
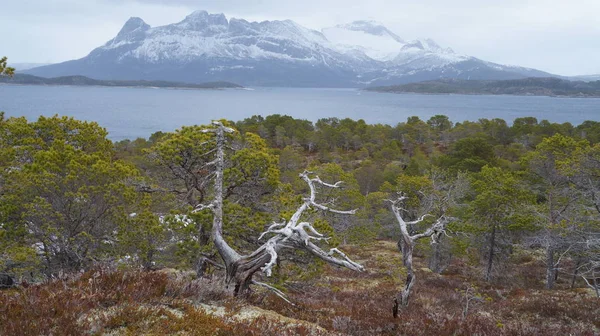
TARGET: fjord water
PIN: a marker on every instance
(128, 113)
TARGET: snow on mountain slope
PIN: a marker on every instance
(203, 35)
(380, 43)
(426, 53)
(370, 37)
(209, 47)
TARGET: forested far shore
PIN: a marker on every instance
(24, 79)
(534, 86)
(424, 227)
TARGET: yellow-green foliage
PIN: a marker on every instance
(187, 143)
(5, 70)
(414, 187)
(62, 190)
(324, 228)
(142, 233)
(19, 259)
(348, 196)
(243, 225)
(254, 162)
(499, 193)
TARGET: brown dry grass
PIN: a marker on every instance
(336, 302)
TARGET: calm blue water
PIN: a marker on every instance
(138, 112)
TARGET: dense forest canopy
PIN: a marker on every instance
(162, 177)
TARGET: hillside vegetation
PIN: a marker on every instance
(237, 228)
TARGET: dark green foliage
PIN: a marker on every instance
(469, 154)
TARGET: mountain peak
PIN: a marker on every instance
(134, 29)
(202, 18)
(133, 24)
(198, 13)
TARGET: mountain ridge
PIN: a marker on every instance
(209, 47)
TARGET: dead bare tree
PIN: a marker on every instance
(591, 276)
(293, 234)
(449, 191)
(588, 267)
(407, 242)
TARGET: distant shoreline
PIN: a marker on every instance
(527, 87)
(24, 80)
(127, 87)
(481, 94)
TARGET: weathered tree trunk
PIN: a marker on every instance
(490, 262)
(241, 268)
(230, 257)
(575, 272)
(149, 262)
(441, 256)
(201, 267)
(240, 273)
(550, 268)
(596, 285)
(435, 262)
(406, 246)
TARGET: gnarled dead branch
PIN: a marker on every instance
(293, 234)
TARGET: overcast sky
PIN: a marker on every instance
(559, 36)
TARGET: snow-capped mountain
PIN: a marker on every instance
(369, 37)
(405, 61)
(203, 35)
(208, 47)
(379, 43)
